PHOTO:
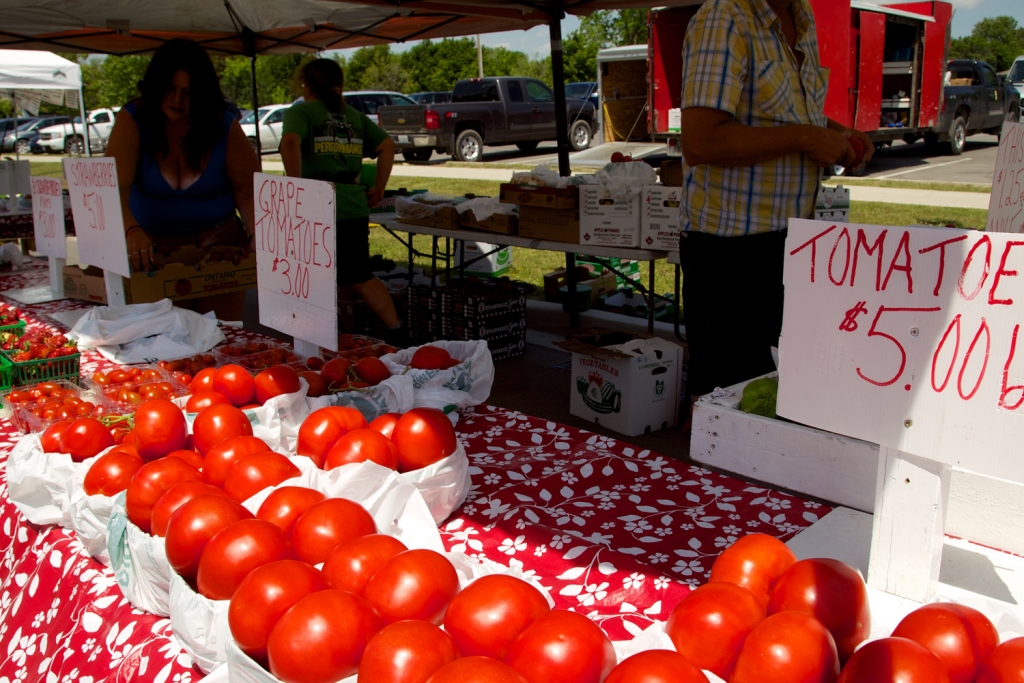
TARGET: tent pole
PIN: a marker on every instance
(85, 122)
(558, 84)
(256, 111)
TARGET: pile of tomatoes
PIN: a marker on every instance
(233, 385)
(183, 369)
(129, 386)
(340, 374)
(39, 406)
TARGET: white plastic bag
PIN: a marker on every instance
(464, 385)
(444, 484)
(541, 176)
(199, 624)
(37, 482)
(10, 252)
(89, 515)
(626, 180)
(396, 394)
(139, 562)
(485, 207)
(278, 420)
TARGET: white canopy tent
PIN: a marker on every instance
(29, 77)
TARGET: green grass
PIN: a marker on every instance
(877, 213)
(911, 185)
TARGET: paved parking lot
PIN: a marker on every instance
(928, 164)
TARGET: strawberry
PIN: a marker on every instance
(22, 357)
(64, 351)
(55, 341)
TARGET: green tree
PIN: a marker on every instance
(118, 79)
(276, 78)
(438, 65)
(996, 40)
(605, 28)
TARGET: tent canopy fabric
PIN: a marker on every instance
(36, 70)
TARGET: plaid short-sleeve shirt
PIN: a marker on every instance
(735, 58)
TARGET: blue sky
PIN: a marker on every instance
(535, 41)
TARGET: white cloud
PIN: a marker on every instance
(966, 4)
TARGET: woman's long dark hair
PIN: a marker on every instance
(206, 101)
(326, 79)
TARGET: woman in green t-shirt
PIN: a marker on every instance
(325, 139)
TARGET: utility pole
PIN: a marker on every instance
(479, 56)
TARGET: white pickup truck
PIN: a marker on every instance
(68, 137)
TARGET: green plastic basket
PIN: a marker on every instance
(18, 328)
(6, 373)
(44, 369)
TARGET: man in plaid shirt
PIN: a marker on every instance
(755, 138)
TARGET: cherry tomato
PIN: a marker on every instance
(176, 496)
(216, 423)
(314, 362)
(263, 597)
(110, 474)
(385, 424)
(286, 504)
(709, 625)
(204, 399)
(327, 524)
(335, 371)
(323, 427)
(84, 438)
(423, 436)
(754, 561)
(191, 457)
(961, 637)
(416, 584)
(234, 552)
(656, 666)
(491, 612)
(221, 457)
(203, 381)
(406, 652)
(321, 638)
(317, 385)
(152, 481)
(788, 647)
(1005, 664)
(160, 428)
(476, 670)
(50, 439)
(562, 646)
(253, 473)
(193, 525)
(894, 659)
(372, 371)
(235, 383)
(361, 445)
(351, 563)
(275, 381)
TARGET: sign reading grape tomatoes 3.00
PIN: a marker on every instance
(907, 337)
(295, 257)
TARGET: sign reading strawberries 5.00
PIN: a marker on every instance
(295, 257)
(907, 337)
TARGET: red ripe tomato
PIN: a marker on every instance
(323, 427)
(491, 612)
(350, 564)
(709, 625)
(361, 445)
(476, 670)
(176, 496)
(372, 371)
(110, 474)
(317, 385)
(221, 457)
(203, 381)
(127, 449)
(84, 438)
(406, 652)
(423, 436)
(562, 646)
(335, 371)
(416, 584)
(788, 647)
(150, 483)
(755, 561)
(656, 666)
(833, 593)
(1005, 664)
(285, 505)
(235, 383)
(894, 659)
(253, 473)
(204, 399)
(234, 552)
(193, 525)
(263, 597)
(962, 638)
(160, 428)
(216, 423)
(321, 638)
(327, 524)
(385, 424)
(274, 381)
(191, 457)
(430, 358)
(50, 439)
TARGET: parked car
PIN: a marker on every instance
(1016, 75)
(9, 125)
(369, 101)
(69, 137)
(271, 120)
(441, 97)
(586, 90)
(485, 111)
(19, 140)
(976, 101)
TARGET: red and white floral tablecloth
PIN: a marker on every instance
(617, 533)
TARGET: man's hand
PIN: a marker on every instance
(869, 146)
(375, 195)
(826, 147)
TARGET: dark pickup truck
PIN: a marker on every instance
(975, 100)
(486, 111)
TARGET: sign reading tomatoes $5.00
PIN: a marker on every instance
(295, 257)
(907, 337)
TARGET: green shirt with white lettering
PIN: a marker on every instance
(333, 147)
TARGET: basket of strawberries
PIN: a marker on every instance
(11, 323)
(41, 355)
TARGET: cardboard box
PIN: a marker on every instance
(443, 217)
(538, 196)
(627, 383)
(174, 280)
(606, 222)
(833, 204)
(507, 347)
(671, 172)
(629, 268)
(483, 328)
(495, 264)
(675, 120)
(500, 223)
(659, 222)
(553, 225)
(600, 285)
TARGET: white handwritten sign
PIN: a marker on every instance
(48, 217)
(1006, 207)
(295, 257)
(907, 337)
(96, 207)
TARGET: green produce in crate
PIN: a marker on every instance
(759, 397)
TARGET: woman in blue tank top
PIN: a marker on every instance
(184, 166)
